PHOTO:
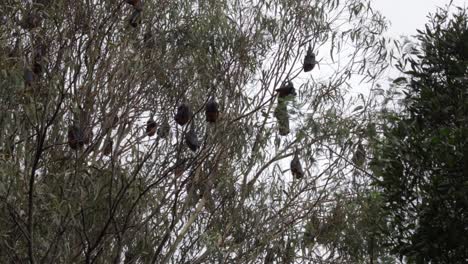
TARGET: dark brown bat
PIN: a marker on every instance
(132, 2)
(38, 61)
(296, 167)
(359, 156)
(179, 167)
(31, 20)
(270, 257)
(286, 89)
(148, 40)
(28, 77)
(212, 111)
(135, 18)
(150, 127)
(108, 147)
(87, 135)
(75, 137)
(183, 114)
(163, 130)
(309, 60)
(115, 121)
(191, 140)
(44, 3)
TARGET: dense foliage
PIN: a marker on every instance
(422, 163)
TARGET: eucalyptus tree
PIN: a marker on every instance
(107, 156)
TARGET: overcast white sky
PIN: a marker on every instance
(408, 15)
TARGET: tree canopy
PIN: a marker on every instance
(422, 162)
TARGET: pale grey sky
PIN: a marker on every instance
(408, 15)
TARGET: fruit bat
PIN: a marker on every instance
(163, 130)
(179, 167)
(150, 127)
(189, 186)
(108, 147)
(39, 61)
(135, 18)
(212, 111)
(289, 252)
(115, 121)
(210, 203)
(359, 156)
(137, 4)
(37, 67)
(75, 137)
(87, 135)
(310, 230)
(28, 77)
(179, 171)
(148, 40)
(309, 60)
(281, 114)
(286, 89)
(31, 20)
(270, 257)
(191, 140)
(42, 2)
(296, 167)
(132, 2)
(183, 114)
(112, 121)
